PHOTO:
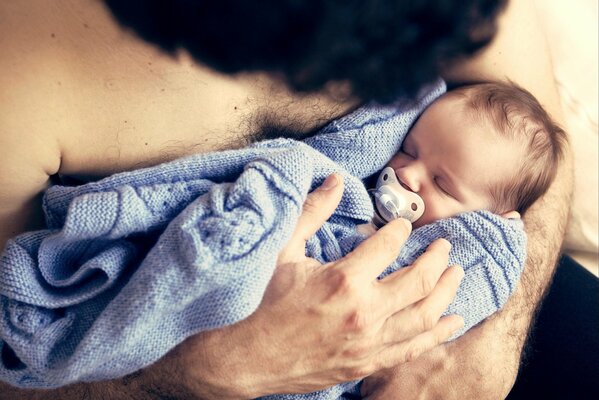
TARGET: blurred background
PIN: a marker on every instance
(573, 36)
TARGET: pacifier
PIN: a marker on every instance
(393, 201)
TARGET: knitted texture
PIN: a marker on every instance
(131, 265)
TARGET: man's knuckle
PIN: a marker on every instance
(356, 352)
(389, 242)
(339, 282)
(357, 321)
(367, 342)
(441, 336)
(425, 284)
(309, 206)
(428, 320)
(412, 353)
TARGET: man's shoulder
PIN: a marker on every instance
(29, 149)
(31, 75)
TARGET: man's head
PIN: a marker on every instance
(482, 147)
(381, 48)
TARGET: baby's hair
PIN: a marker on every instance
(517, 114)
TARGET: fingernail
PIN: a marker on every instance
(329, 183)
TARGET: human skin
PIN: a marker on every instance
(66, 90)
(452, 161)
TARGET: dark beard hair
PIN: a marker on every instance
(382, 49)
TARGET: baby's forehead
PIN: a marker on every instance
(452, 107)
(494, 124)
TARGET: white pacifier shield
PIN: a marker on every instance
(393, 201)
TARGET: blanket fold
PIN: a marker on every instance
(131, 265)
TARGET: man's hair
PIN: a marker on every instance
(382, 48)
(516, 114)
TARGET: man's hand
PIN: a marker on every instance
(319, 325)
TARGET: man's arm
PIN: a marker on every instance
(484, 362)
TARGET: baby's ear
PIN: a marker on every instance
(511, 215)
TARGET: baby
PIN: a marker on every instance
(488, 146)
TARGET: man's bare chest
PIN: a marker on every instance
(99, 101)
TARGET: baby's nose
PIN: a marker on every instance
(410, 178)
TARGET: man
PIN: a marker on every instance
(82, 98)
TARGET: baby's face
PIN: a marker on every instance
(452, 160)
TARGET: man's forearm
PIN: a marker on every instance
(80, 391)
(147, 384)
(114, 390)
(152, 383)
(545, 224)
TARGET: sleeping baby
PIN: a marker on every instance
(487, 147)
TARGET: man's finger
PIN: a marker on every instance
(318, 207)
(411, 349)
(425, 314)
(413, 283)
(375, 254)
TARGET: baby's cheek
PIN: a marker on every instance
(426, 218)
(433, 210)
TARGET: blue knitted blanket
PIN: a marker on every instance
(131, 265)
